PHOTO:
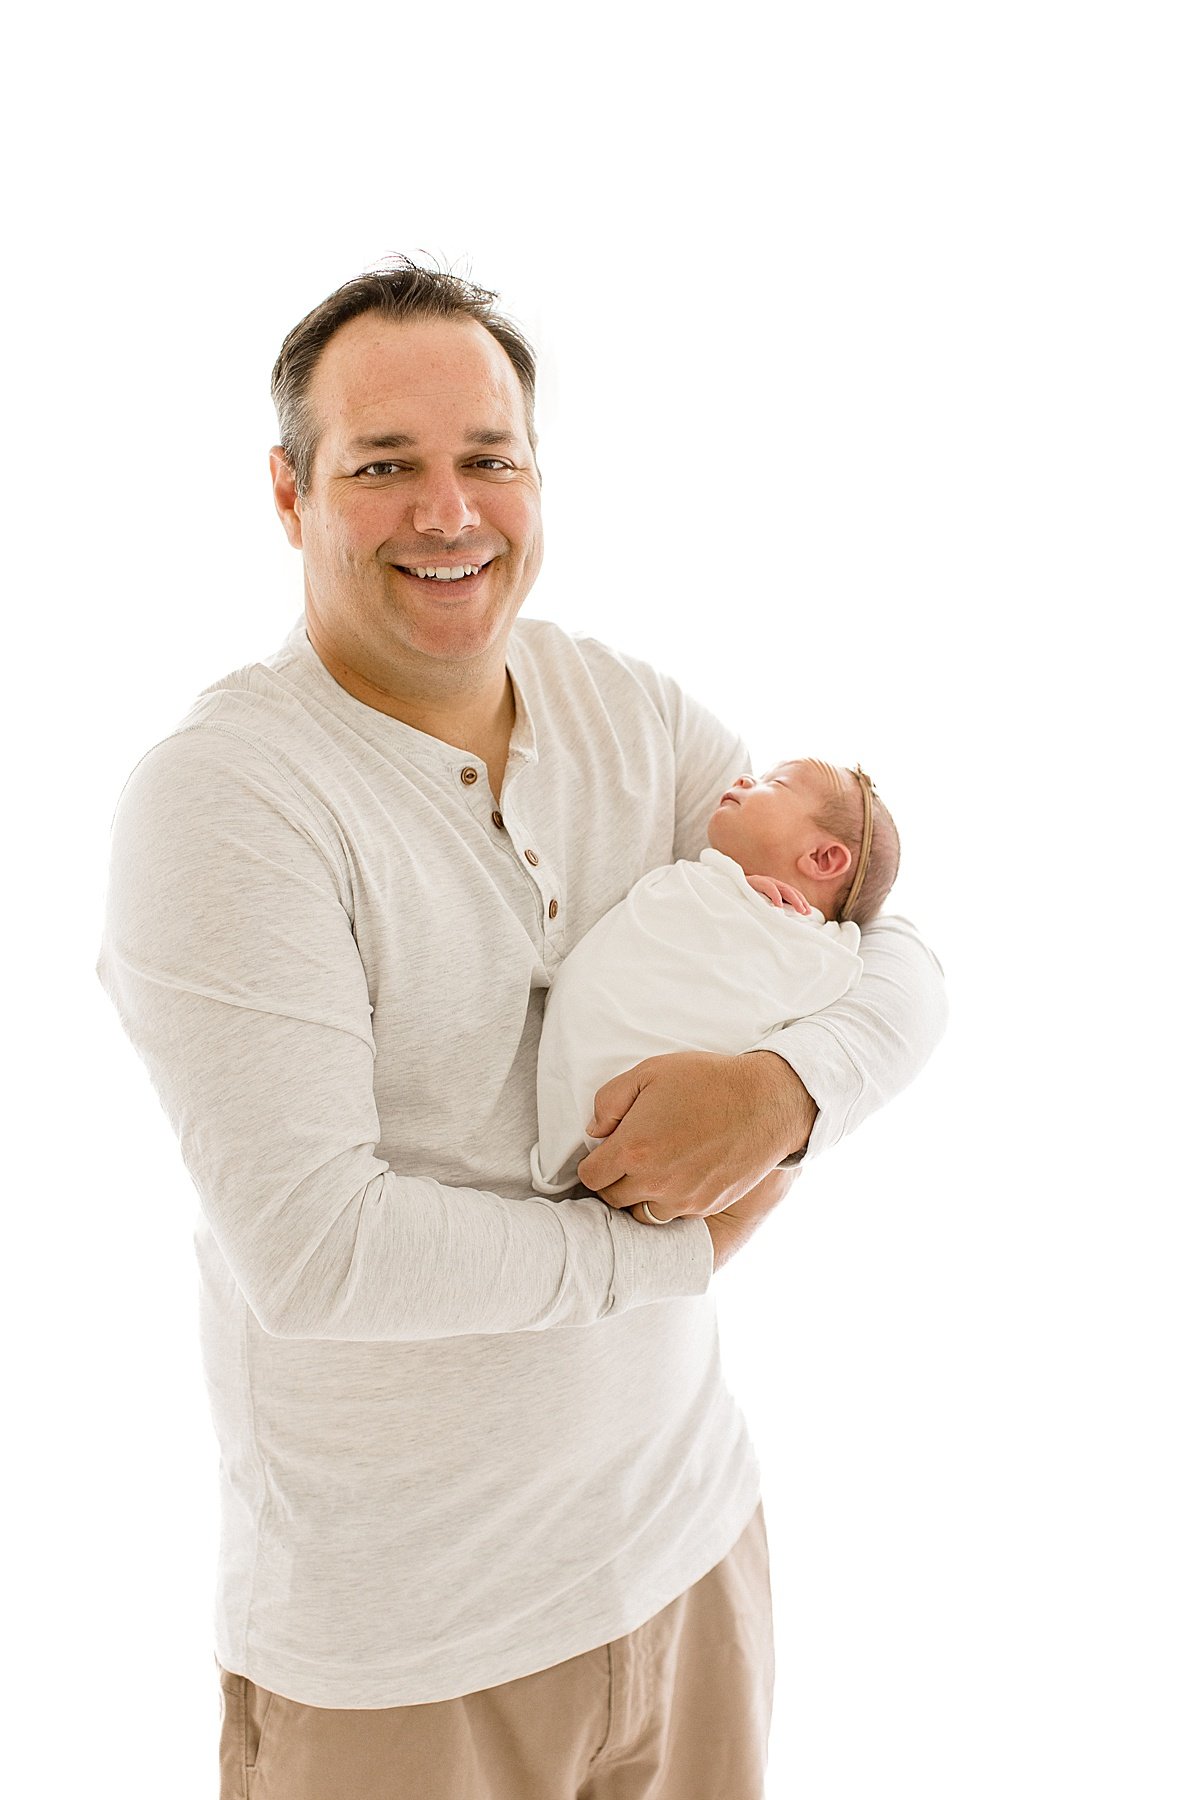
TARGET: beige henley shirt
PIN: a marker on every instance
(466, 1432)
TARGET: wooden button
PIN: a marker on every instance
(498, 821)
(532, 857)
(552, 909)
(469, 777)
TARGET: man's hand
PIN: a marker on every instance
(692, 1132)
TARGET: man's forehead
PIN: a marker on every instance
(379, 406)
(376, 370)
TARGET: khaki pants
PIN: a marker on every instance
(678, 1710)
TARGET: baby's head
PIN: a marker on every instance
(823, 830)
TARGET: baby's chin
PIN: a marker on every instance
(714, 843)
(717, 821)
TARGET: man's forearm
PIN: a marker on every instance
(785, 1095)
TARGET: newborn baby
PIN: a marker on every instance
(717, 954)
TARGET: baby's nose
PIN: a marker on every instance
(744, 781)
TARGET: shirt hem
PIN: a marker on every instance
(371, 1691)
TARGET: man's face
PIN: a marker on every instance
(768, 824)
(423, 468)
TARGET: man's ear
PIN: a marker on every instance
(826, 861)
(283, 481)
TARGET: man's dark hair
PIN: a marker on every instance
(399, 289)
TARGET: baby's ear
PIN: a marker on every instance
(826, 861)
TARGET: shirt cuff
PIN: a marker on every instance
(826, 1071)
(658, 1262)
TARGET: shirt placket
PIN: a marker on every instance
(516, 839)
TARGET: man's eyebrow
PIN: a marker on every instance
(392, 440)
(400, 440)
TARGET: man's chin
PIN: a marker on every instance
(455, 636)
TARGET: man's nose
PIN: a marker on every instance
(442, 504)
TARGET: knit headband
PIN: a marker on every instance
(864, 855)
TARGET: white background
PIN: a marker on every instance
(869, 410)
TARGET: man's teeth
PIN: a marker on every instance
(454, 574)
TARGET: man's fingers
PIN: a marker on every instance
(612, 1195)
(602, 1170)
(618, 1194)
(621, 1198)
(613, 1101)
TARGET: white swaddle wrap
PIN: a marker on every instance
(691, 959)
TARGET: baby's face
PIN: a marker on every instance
(766, 824)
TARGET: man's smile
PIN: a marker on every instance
(459, 579)
(459, 571)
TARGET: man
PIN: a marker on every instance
(490, 1518)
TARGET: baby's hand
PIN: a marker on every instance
(779, 893)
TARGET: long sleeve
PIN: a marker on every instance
(864, 1050)
(230, 953)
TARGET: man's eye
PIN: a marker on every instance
(491, 462)
(378, 468)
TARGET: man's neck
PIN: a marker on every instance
(471, 708)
